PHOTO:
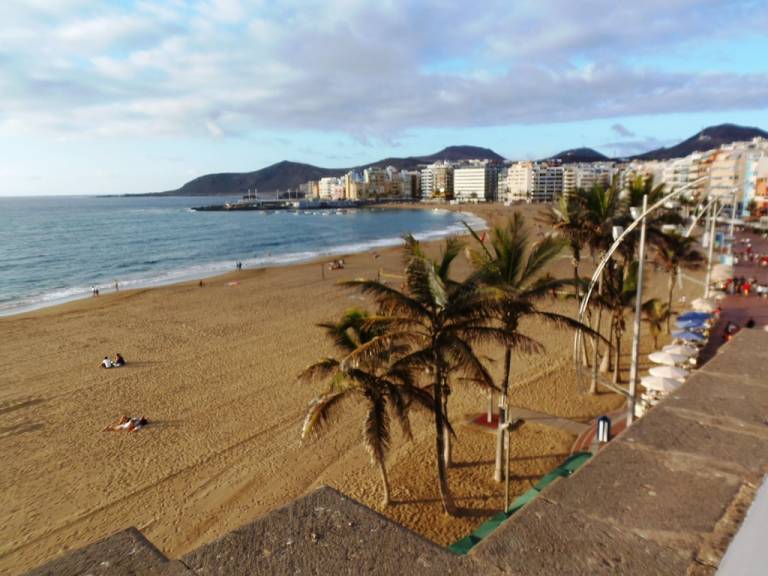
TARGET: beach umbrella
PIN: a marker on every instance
(691, 324)
(668, 372)
(682, 350)
(703, 305)
(660, 384)
(667, 358)
(691, 315)
(688, 336)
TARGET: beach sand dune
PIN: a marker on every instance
(213, 368)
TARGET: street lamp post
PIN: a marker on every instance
(712, 224)
(633, 371)
(732, 224)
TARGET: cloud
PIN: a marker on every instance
(370, 69)
(622, 130)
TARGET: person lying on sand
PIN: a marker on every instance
(127, 424)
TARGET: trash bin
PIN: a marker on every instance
(603, 429)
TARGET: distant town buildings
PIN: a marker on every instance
(734, 171)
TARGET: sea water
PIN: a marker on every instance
(54, 249)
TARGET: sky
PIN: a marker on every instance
(100, 97)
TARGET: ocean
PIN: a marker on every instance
(53, 249)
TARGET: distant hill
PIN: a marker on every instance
(708, 139)
(285, 174)
(579, 155)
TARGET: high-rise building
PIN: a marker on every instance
(437, 182)
(535, 182)
(475, 183)
(516, 183)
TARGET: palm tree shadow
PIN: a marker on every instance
(476, 512)
(471, 464)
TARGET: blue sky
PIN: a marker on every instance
(134, 96)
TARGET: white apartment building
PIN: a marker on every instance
(516, 183)
(475, 183)
(330, 188)
(583, 176)
(534, 182)
(437, 181)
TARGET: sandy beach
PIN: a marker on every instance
(213, 368)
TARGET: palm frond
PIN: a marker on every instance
(319, 370)
(319, 412)
(376, 429)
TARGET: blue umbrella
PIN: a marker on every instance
(695, 316)
(690, 336)
(691, 324)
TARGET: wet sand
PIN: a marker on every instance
(214, 369)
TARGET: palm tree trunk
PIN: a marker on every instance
(442, 472)
(575, 264)
(596, 357)
(384, 482)
(447, 449)
(617, 359)
(498, 468)
(605, 365)
(669, 298)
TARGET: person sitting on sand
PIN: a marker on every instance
(119, 360)
(106, 363)
(127, 424)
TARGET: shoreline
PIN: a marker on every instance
(221, 270)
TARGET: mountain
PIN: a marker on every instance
(708, 139)
(280, 176)
(579, 155)
(284, 175)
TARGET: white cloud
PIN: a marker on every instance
(223, 67)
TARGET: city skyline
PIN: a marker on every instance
(132, 96)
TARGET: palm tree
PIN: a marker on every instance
(673, 253)
(439, 319)
(618, 297)
(603, 209)
(656, 314)
(568, 219)
(362, 373)
(512, 268)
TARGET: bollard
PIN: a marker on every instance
(603, 429)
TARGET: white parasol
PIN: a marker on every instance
(660, 384)
(680, 349)
(667, 358)
(668, 372)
